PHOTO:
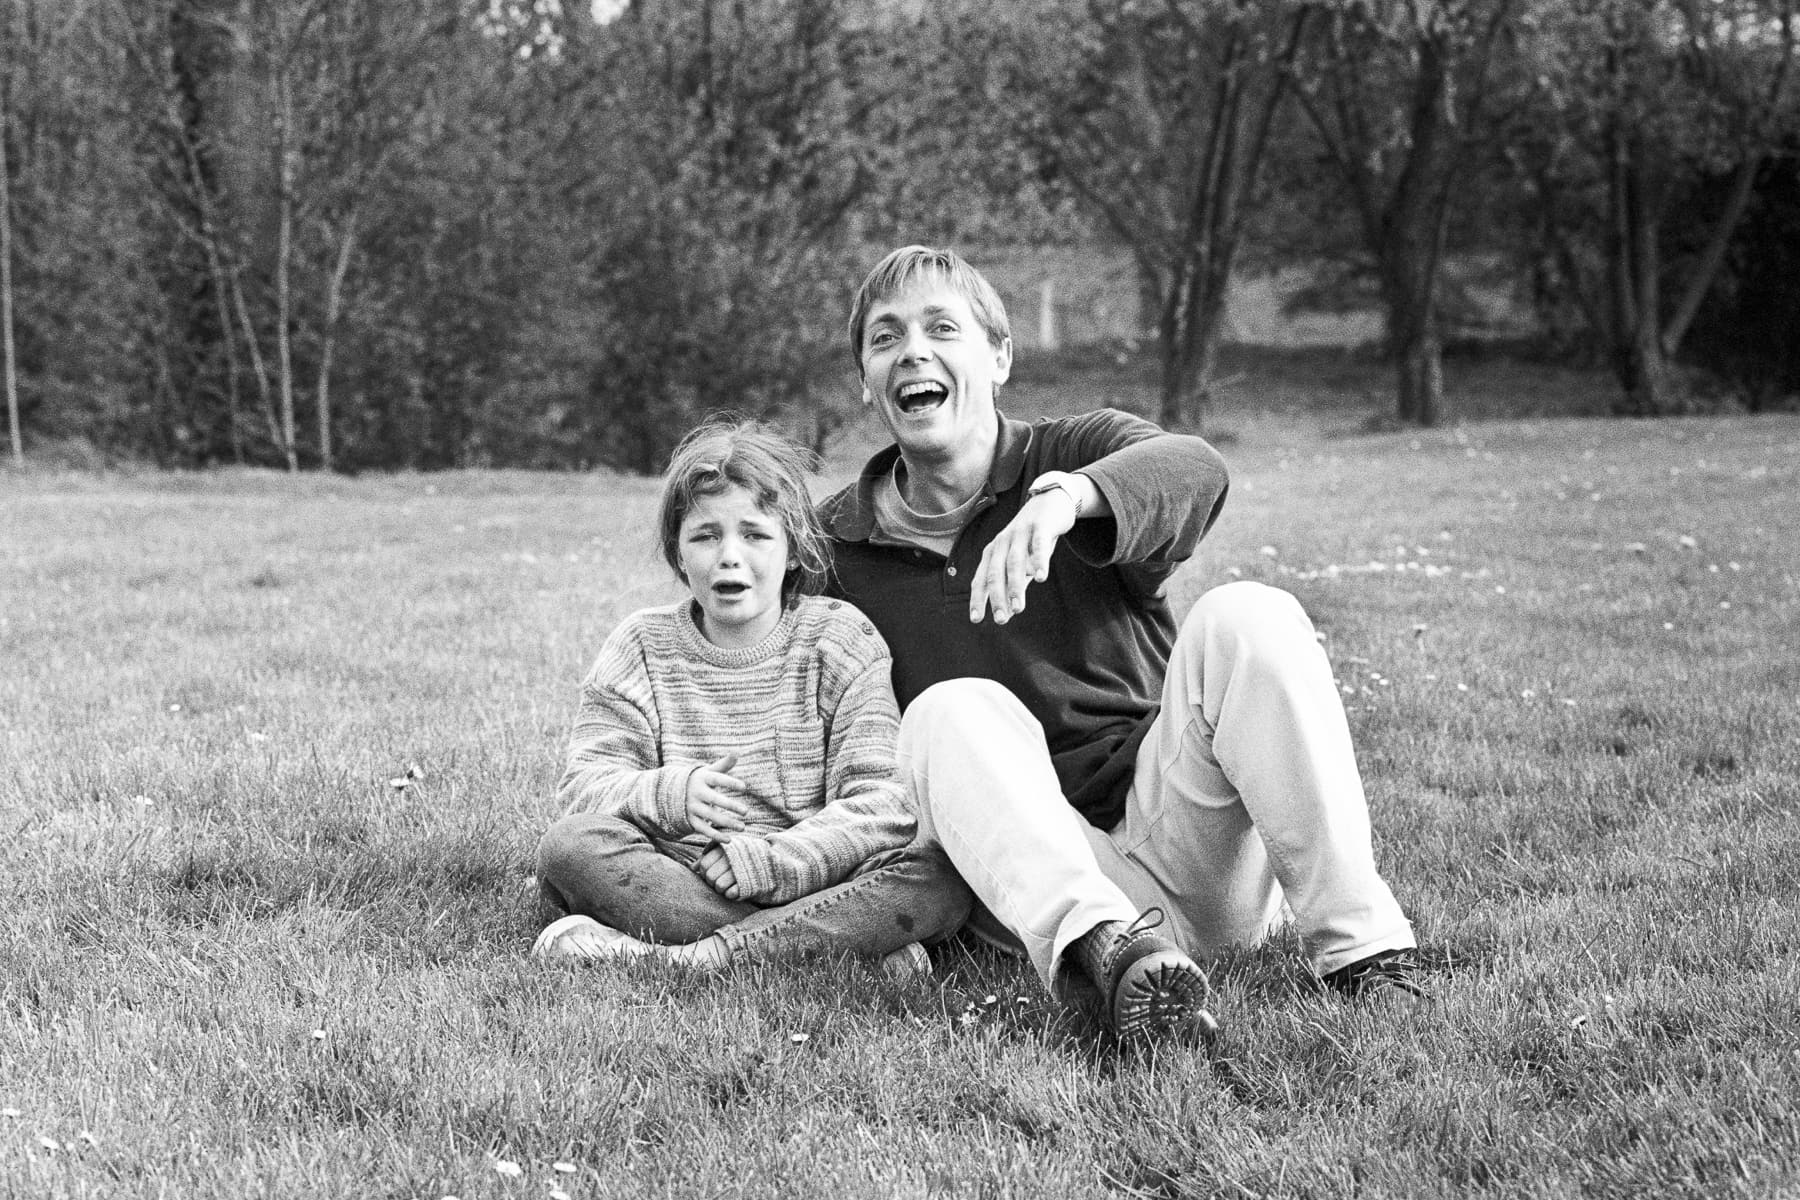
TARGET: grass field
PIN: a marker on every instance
(276, 752)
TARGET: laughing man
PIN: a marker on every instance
(1123, 792)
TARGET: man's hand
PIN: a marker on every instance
(715, 868)
(715, 800)
(1019, 555)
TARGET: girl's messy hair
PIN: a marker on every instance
(725, 451)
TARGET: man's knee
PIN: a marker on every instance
(1248, 629)
(1250, 605)
(1252, 618)
(964, 708)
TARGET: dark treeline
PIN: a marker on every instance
(429, 233)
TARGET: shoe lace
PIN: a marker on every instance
(1148, 921)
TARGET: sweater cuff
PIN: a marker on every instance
(670, 800)
(751, 865)
(1096, 541)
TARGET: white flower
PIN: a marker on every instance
(563, 1168)
(508, 1168)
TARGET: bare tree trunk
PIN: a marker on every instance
(1200, 280)
(328, 338)
(1416, 217)
(6, 295)
(258, 369)
(215, 264)
(1713, 256)
(1638, 359)
(1189, 335)
(284, 252)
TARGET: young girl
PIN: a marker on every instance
(731, 788)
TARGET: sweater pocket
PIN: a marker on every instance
(800, 764)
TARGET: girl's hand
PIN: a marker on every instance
(715, 868)
(715, 800)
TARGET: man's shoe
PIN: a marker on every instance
(576, 936)
(1390, 976)
(1152, 989)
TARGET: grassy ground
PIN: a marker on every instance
(247, 952)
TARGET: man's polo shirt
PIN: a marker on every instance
(1087, 655)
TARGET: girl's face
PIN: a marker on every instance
(733, 558)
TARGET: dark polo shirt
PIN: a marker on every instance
(1087, 655)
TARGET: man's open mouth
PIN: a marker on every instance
(731, 589)
(920, 396)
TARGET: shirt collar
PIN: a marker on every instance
(850, 515)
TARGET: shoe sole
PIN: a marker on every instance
(1161, 995)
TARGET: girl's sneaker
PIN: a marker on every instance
(908, 962)
(576, 936)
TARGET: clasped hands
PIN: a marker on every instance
(715, 810)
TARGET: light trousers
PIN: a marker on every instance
(1246, 809)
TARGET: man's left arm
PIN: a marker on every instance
(1122, 489)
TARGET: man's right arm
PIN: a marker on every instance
(1120, 490)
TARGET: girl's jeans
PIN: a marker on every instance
(609, 869)
(1246, 809)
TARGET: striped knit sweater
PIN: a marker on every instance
(809, 712)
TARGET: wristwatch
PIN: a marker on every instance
(1055, 485)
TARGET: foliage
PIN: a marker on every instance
(1397, 94)
(431, 233)
(1156, 117)
(1748, 331)
(1622, 110)
(419, 234)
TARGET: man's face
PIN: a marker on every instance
(929, 368)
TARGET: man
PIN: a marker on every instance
(1122, 794)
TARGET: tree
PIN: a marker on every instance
(1630, 106)
(6, 288)
(73, 211)
(1396, 91)
(1157, 114)
(725, 146)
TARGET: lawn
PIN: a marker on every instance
(277, 751)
